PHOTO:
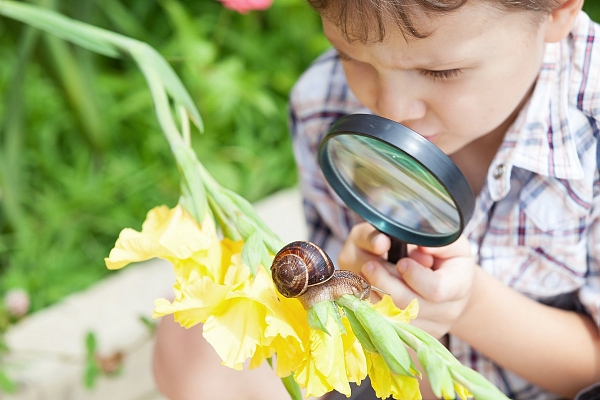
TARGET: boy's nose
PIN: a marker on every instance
(400, 103)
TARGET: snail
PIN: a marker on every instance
(303, 270)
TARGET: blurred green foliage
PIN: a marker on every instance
(592, 7)
(81, 153)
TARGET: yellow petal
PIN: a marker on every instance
(165, 234)
(280, 326)
(206, 262)
(387, 308)
(285, 317)
(386, 384)
(324, 368)
(132, 246)
(462, 391)
(182, 235)
(290, 354)
(194, 304)
(234, 274)
(236, 330)
(356, 363)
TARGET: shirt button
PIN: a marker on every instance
(499, 171)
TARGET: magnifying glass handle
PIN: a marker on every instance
(397, 251)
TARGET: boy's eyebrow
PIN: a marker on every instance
(425, 66)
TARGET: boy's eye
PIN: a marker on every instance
(445, 74)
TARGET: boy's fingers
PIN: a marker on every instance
(380, 277)
(423, 281)
(366, 237)
(433, 285)
(457, 249)
(422, 258)
(353, 259)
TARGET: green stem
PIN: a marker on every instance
(292, 387)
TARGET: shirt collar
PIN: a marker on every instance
(540, 139)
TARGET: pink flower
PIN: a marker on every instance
(17, 302)
(243, 6)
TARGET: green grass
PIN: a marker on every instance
(81, 152)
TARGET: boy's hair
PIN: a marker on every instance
(365, 20)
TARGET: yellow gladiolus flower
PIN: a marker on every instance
(171, 234)
(243, 316)
(247, 321)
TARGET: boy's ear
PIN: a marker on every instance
(560, 21)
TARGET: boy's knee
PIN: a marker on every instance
(177, 358)
(164, 378)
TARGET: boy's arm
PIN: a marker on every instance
(555, 349)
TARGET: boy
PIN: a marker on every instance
(509, 89)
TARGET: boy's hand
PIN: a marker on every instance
(441, 278)
(365, 243)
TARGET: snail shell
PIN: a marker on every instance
(303, 270)
(299, 265)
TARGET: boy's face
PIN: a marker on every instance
(468, 78)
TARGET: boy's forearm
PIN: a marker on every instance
(555, 349)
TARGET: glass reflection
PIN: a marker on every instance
(394, 184)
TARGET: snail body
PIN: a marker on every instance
(304, 271)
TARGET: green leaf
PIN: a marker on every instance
(110, 44)
(359, 331)
(192, 186)
(334, 312)
(480, 387)
(91, 344)
(251, 252)
(424, 339)
(58, 25)
(292, 387)
(272, 241)
(437, 372)
(317, 316)
(382, 334)
(92, 372)
(144, 54)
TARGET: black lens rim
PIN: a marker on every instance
(417, 147)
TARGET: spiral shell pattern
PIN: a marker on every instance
(299, 265)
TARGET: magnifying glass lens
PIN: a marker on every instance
(394, 185)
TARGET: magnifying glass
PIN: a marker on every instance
(396, 180)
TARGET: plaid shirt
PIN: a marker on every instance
(536, 224)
